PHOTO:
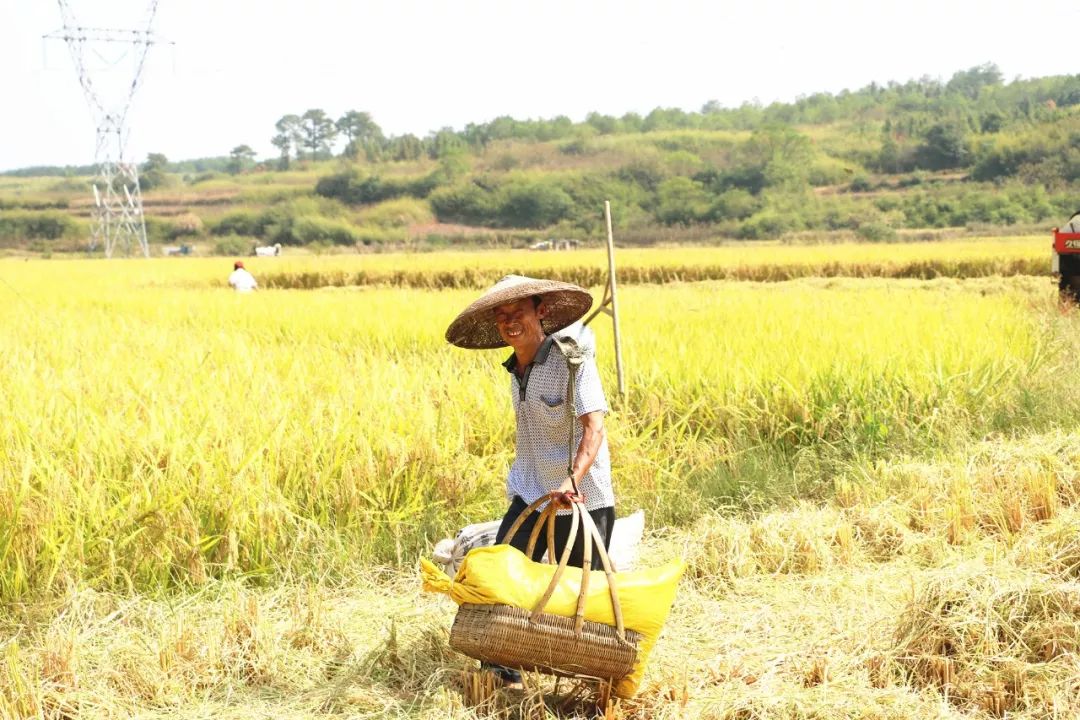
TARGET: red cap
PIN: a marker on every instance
(238, 264)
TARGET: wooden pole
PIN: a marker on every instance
(609, 300)
(614, 302)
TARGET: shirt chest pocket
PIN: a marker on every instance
(551, 407)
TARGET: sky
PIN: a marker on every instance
(235, 66)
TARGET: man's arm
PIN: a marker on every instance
(592, 436)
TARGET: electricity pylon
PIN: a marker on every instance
(118, 213)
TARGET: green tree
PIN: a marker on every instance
(361, 132)
(558, 127)
(152, 173)
(241, 158)
(782, 156)
(734, 204)
(287, 138)
(944, 146)
(604, 124)
(971, 82)
(631, 122)
(465, 202)
(452, 167)
(443, 143)
(318, 132)
(888, 159)
(405, 147)
(681, 201)
(534, 205)
(666, 119)
(992, 122)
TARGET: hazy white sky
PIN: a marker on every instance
(239, 65)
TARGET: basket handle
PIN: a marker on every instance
(521, 518)
(609, 572)
(591, 537)
(546, 520)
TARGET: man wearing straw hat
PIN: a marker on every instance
(526, 313)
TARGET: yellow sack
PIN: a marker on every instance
(502, 575)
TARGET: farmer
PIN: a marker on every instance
(525, 313)
(240, 279)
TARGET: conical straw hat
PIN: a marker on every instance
(475, 328)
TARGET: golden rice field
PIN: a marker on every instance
(759, 261)
(214, 503)
(749, 261)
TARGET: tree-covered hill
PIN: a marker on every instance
(971, 151)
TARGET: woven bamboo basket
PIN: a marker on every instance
(539, 641)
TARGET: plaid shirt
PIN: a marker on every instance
(543, 428)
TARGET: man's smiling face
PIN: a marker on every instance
(518, 322)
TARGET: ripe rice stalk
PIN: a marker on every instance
(288, 434)
(1042, 496)
(877, 670)
(761, 262)
(816, 672)
(21, 689)
(964, 632)
(479, 689)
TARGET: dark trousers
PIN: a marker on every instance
(604, 519)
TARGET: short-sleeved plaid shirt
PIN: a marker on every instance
(543, 428)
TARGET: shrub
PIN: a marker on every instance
(749, 178)
(734, 204)
(374, 235)
(876, 232)
(35, 225)
(355, 188)
(350, 187)
(186, 225)
(313, 229)
(769, 224)
(588, 193)
(241, 222)
(646, 171)
(860, 183)
(683, 162)
(276, 221)
(71, 185)
(577, 146)
(466, 203)
(205, 177)
(401, 212)
(233, 245)
(917, 178)
(505, 162)
(827, 171)
(158, 229)
(534, 205)
(944, 146)
(681, 201)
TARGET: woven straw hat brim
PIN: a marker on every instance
(475, 329)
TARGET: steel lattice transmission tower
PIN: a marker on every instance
(118, 213)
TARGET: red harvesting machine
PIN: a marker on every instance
(1066, 258)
